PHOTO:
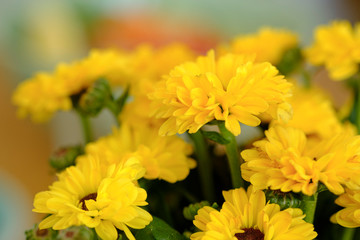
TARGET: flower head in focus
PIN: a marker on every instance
(232, 88)
(246, 215)
(164, 158)
(337, 47)
(268, 44)
(287, 161)
(101, 196)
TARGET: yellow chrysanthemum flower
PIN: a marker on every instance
(232, 89)
(151, 63)
(46, 93)
(349, 216)
(337, 46)
(40, 97)
(342, 161)
(137, 111)
(286, 161)
(104, 197)
(246, 215)
(268, 44)
(321, 121)
(163, 157)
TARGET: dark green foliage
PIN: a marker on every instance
(216, 137)
(158, 230)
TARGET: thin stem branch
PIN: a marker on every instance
(204, 165)
(348, 234)
(87, 132)
(190, 197)
(309, 207)
(111, 105)
(357, 105)
(233, 156)
(307, 79)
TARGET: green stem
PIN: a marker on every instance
(348, 234)
(354, 116)
(165, 212)
(307, 79)
(309, 206)
(204, 165)
(233, 156)
(191, 198)
(112, 106)
(86, 127)
(116, 106)
(357, 105)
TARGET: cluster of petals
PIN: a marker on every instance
(104, 197)
(268, 44)
(321, 122)
(232, 88)
(246, 215)
(337, 47)
(149, 65)
(349, 216)
(147, 62)
(137, 112)
(46, 93)
(285, 160)
(164, 158)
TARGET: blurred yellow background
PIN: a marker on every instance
(36, 35)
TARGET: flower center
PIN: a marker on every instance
(88, 197)
(250, 234)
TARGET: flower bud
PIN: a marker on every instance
(283, 199)
(43, 234)
(190, 211)
(65, 157)
(78, 233)
(94, 99)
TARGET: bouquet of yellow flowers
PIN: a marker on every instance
(238, 143)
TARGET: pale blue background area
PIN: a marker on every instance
(15, 209)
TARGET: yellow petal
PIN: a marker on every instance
(106, 230)
(232, 124)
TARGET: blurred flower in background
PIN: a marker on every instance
(37, 35)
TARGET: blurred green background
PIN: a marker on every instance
(36, 35)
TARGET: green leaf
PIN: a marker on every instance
(158, 230)
(290, 61)
(122, 99)
(144, 234)
(216, 137)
